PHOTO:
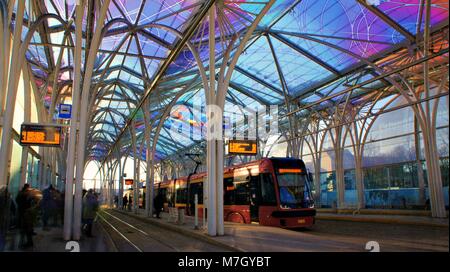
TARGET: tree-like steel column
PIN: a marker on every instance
(214, 118)
(135, 166)
(84, 102)
(211, 181)
(26, 119)
(429, 132)
(68, 204)
(315, 146)
(149, 160)
(112, 184)
(14, 74)
(118, 159)
(5, 34)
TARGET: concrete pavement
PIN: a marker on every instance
(327, 235)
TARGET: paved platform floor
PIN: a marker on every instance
(133, 235)
(127, 231)
(386, 218)
(51, 241)
(326, 235)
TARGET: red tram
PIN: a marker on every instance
(271, 191)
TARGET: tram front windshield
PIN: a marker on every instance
(294, 191)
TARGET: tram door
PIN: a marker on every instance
(254, 198)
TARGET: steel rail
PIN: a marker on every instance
(142, 232)
(121, 235)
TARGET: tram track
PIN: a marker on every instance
(146, 234)
(120, 233)
(130, 234)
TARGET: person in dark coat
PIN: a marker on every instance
(158, 203)
(5, 202)
(27, 204)
(124, 202)
(48, 206)
(130, 203)
(90, 208)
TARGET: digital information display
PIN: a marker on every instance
(129, 182)
(40, 135)
(242, 147)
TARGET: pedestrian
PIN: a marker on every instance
(5, 202)
(130, 203)
(56, 211)
(124, 202)
(48, 206)
(27, 206)
(90, 208)
(143, 200)
(158, 203)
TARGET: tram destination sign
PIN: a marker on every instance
(40, 135)
(242, 147)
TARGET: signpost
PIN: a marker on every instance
(242, 147)
(129, 182)
(48, 135)
(65, 111)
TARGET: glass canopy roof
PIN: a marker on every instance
(301, 51)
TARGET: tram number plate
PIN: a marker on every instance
(301, 221)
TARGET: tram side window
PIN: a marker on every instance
(164, 193)
(196, 188)
(242, 192)
(236, 191)
(268, 196)
(228, 197)
(181, 195)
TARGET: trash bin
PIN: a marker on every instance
(181, 216)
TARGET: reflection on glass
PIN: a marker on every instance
(294, 191)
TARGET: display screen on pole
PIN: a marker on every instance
(129, 182)
(40, 135)
(242, 147)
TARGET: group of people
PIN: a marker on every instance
(32, 206)
(32, 203)
(127, 203)
(158, 203)
(52, 207)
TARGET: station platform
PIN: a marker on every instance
(399, 217)
(330, 234)
(51, 241)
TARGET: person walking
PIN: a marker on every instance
(27, 205)
(48, 206)
(124, 202)
(116, 201)
(130, 203)
(90, 208)
(158, 202)
(5, 202)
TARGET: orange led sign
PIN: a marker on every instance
(286, 171)
(129, 182)
(242, 147)
(40, 135)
